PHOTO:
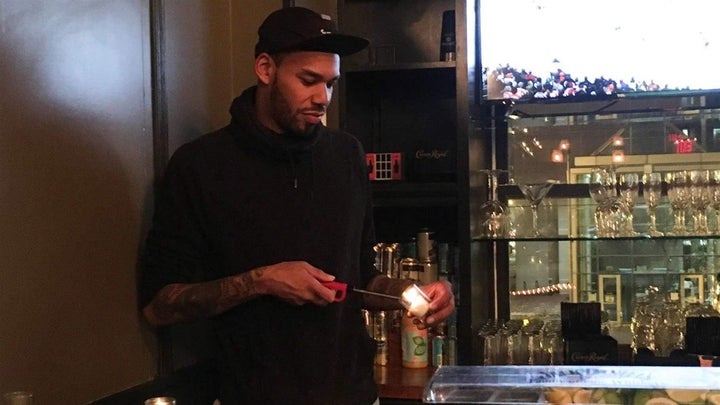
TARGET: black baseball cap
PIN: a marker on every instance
(300, 29)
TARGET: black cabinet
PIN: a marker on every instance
(401, 96)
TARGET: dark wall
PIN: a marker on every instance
(75, 175)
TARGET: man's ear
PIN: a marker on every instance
(265, 68)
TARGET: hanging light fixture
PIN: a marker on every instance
(618, 156)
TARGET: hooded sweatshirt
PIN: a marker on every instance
(244, 197)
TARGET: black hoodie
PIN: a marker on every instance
(244, 197)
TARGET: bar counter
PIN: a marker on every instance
(397, 382)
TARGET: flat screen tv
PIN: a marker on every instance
(563, 50)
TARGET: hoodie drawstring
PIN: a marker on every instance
(294, 174)
(293, 171)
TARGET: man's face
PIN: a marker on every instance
(301, 90)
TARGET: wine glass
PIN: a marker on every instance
(493, 214)
(678, 196)
(602, 190)
(628, 186)
(715, 197)
(652, 193)
(534, 193)
(699, 199)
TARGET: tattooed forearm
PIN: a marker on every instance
(187, 302)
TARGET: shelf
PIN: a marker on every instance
(561, 238)
(400, 67)
(561, 190)
(622, 103)
(393, 194)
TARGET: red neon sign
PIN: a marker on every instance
(682, 143)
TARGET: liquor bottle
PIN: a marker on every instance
(380, 336)
(438, 345)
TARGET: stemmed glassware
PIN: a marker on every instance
(678, 195)
(699, 199)
(652, 193)
(714, 183)
(628, 186)
(493, 214)
(603, 192)
(535, 193)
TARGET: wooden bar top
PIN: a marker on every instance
(396, 381)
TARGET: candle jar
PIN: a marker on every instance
(18, 398)
(160, 401)
(415, 301)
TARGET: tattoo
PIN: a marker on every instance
(187, 302)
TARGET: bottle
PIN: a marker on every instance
(414, 344)
(450, 354)
(447, 36)
(438, 346)
(380, 336)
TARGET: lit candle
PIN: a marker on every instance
(160, 401)
(415, 301)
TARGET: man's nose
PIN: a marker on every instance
(322, 96)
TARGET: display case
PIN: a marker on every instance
(403, 96)
(548, 119)
(574, 384)
(559, 240)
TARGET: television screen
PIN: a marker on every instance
(535, 50)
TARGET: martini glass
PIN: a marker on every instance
(535, 193)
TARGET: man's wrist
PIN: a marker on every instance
(254, 280)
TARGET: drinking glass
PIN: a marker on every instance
(699, 199)
(18, 398)
(678, 196)
(602, 184)
(602, 190)
(628, 186)
(489, 339)
(493, 213)
(669, 329)
(714, 189)
(647, 312)
(652, 193)
(534, 194)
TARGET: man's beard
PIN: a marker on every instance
(282, 112)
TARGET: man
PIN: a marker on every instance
(252, 219)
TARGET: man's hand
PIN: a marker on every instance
(442, 303)
(296, 282)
